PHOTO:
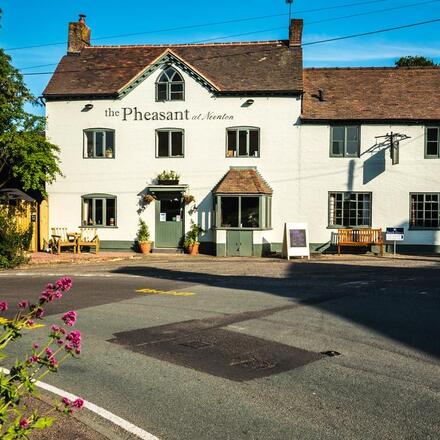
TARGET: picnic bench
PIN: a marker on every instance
(360, 237)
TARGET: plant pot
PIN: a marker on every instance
(193, 249)
(145, 247)
(168, 181)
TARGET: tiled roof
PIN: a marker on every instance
(242, 181)
(269, 66)
(372, 94)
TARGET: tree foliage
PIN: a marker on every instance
(414, 61)
(25, 155)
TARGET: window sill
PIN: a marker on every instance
(170, 157)
(242, 157)
(344, 157)
(94, 158)
(98, 227)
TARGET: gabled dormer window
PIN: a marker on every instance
(170, 86)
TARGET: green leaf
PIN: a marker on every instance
(43, 422)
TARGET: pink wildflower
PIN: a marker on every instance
(23, 304)
(3, 306)
(69, 318)
(78, 403)
(53, 362)
(66, 401)
(60, 342)
(33, 358)
(75, 338)
(39, 312)
(24, 423)
(49, 351)
(30, 323)
(35, 346)
(64, 284)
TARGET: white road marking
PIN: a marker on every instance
(124, 424)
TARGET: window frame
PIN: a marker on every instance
(94, 131)
(422, 228)
(170, 130)
(432, 156)
(238, 129)
(344, 153)
(168, 84)
(264, 211)
(104, 198)
(333, 226)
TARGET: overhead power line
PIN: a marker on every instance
(238, 20)
(307, 23)
(345, 37)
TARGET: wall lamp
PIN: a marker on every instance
(87, 107)
(248, 103)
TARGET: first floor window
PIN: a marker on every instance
(425, 212)
(98, 210)
(99, 142)
(349, 209)
(432, 149)
(345, 141)
(169, 142)
(243, 142)
(244, 211)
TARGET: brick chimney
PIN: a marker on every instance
(78, 35)
(295, 32)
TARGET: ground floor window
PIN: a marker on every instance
(425, 212)
(244, 211)
(349, 209)
(98, 210)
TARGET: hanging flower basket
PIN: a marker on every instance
(188, 198)
(148, 198)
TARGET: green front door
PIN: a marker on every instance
(169, 220)
(239, 243)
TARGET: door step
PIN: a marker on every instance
(167, 251)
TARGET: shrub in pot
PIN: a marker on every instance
(192, 239)
(168, 178)
(143, 237)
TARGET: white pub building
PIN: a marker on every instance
(254, 138)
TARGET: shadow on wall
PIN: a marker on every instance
(401, 303)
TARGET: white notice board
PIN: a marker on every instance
(296, 240)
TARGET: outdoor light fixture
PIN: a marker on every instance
(248, 103)
(87, 107)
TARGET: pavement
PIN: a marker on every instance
(246, 348)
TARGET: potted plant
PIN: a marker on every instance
(148, 198)
(188, 198)
(143, 237)
(168, 178)
(192, 239)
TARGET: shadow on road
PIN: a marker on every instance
(399, 303)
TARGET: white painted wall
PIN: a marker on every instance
(318, 173)
(204, 164)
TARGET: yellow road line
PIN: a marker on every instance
(164, 292)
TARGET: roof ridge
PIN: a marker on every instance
(229, 43)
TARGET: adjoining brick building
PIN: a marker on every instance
(256, 139)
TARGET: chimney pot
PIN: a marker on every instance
(295, 32)
(78, 35)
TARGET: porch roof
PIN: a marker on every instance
(242, 180)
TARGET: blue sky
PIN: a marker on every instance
(26, 23)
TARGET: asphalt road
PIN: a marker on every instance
(233, 348)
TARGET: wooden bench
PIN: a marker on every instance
(61, 238)
(360, 237)
(88, 237)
